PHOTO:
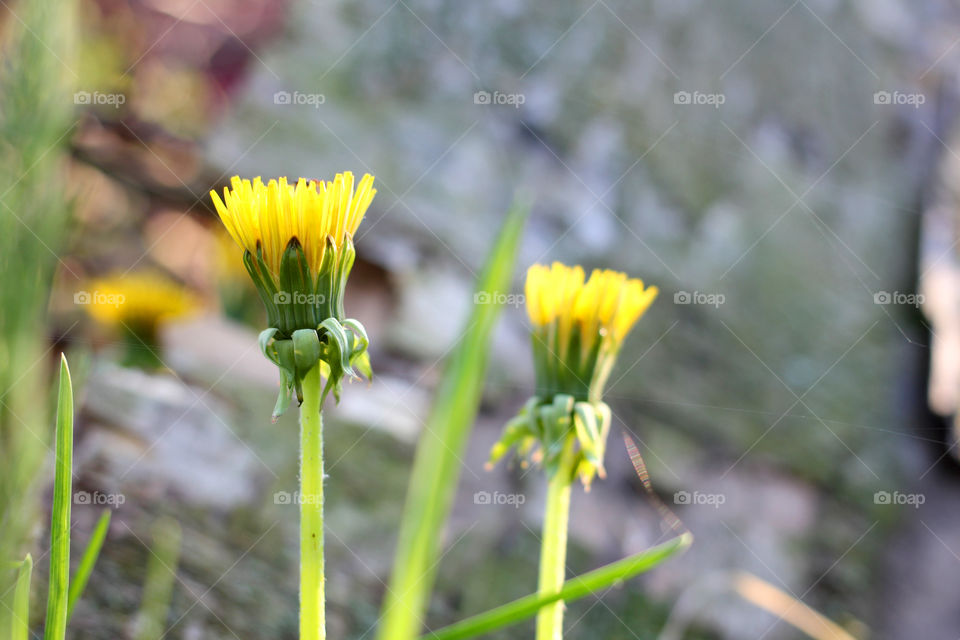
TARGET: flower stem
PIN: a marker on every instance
(311, 510)
(553, 549)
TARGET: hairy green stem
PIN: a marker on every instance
(553, 549)
(311, 510)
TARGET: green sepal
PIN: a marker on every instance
(307, 327)
(285, 395)
(296, 285)
(588, 432)
(530, 411)
(359, 357)
(556, 419)
(604, 418)
(339, 348)
(266, 348)
(554, 425)
(361, 361)
(517, 429)
(306, 350)
(265, 284)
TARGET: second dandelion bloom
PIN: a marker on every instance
(578, 325)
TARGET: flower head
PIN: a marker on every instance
(136, 305)
(320, 215)
(298, 249)
(579, 325)
(139, 301)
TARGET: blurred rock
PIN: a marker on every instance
(153, 435)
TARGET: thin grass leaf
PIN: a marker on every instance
(158, 585)
(56, 625)
(20, 620)
(436, 467)
(82, 575)
(573, 589)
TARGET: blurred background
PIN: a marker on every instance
(783, 171)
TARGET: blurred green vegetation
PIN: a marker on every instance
(36, 107)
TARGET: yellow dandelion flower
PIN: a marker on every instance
(297, 242)
(580, 323)
(139, 301)
(266, 217)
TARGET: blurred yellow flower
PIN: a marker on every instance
(268, 216)
(592, 316)
(579, 325)
(139, 300)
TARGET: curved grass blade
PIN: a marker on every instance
(436, 466)
(20, 620)
(56, 624)
(573, 589)
(82, 575)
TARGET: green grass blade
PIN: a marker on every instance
(575, 588)
(82, 575)
(158, 585)
(436, 467)
(20, 620)
(56, 625)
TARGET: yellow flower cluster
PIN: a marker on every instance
(139, 300)
(607, 304)
(270, 215)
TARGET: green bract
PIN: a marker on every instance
(305, 314)
(551, 424)
(581, 373)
